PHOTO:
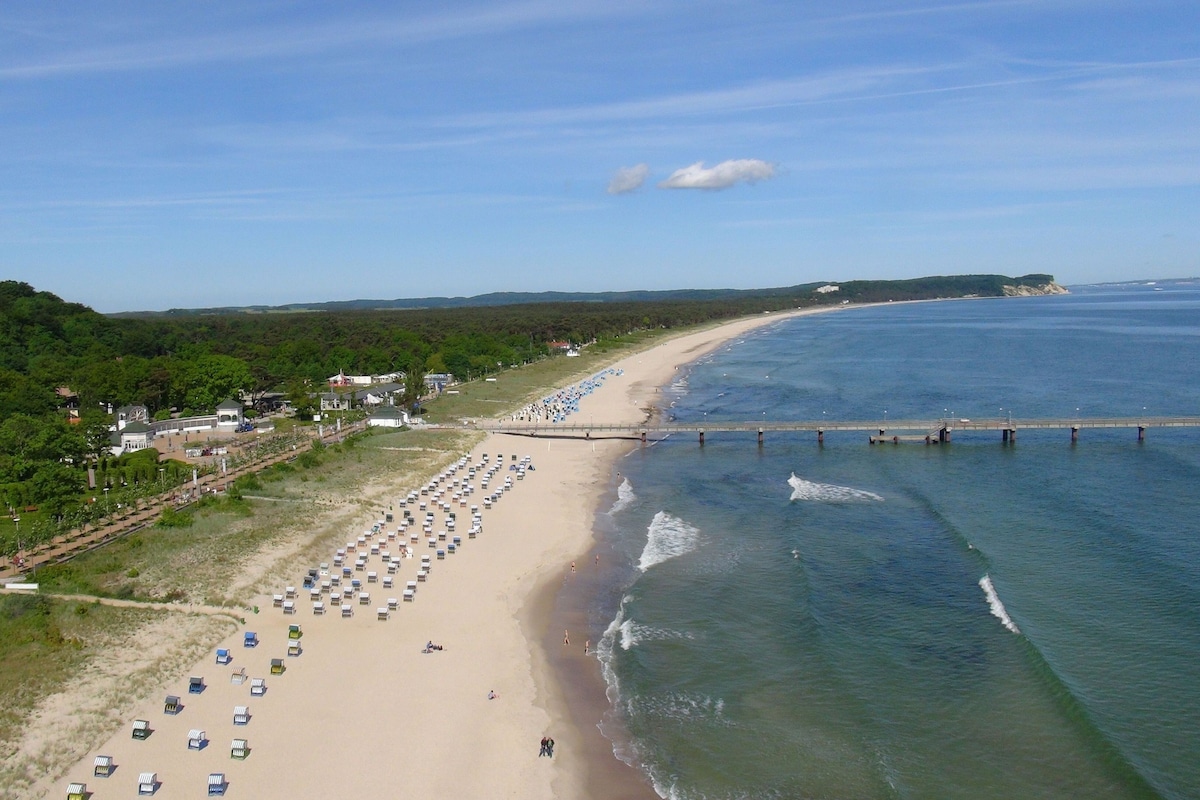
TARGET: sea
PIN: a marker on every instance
(969, 620)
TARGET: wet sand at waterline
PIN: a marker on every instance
(362, 711)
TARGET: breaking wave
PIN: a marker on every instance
(667, 537)
(828, 493)
(997, 608)
(625, 496)
(632, 633)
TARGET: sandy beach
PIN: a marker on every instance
(363, 711)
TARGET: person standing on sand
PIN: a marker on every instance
(566, 638)
(587, 647)
(545, 741)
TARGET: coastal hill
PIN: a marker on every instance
(855, 291)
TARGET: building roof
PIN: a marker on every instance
(230, 403)
(135, 427)
(388, 412)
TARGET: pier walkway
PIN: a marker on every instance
(894, 431)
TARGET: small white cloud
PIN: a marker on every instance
(721, 176)
(628, 179)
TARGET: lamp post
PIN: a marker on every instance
(106, 501)
(161, 477)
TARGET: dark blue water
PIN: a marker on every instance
(970, 620)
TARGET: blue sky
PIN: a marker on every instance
(160, 154)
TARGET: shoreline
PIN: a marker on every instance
(577, 690)
(364, 698)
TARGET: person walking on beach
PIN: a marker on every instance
(545, 742)
(566, 638)
(587, 647)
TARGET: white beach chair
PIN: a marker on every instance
(147, 783)
(102, 767)
(318, 608)
(409, 594)
(387, 581)
(77, 791)
(197, 739)
(382, 614)
(364, 598)
(347, 610)
(258, 687)
(241, 715)
(393, 603)
(289, 607)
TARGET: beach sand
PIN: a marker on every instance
(363, 712)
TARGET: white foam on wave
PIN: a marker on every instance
(633, 633)
(997, 608)
(680, 707)
(828, 493)
(667, 537)
(625, 496)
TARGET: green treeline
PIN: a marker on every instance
(188, 363)
(192, 362)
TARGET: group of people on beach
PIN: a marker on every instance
(547, 747)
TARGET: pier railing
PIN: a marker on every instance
(894, 430)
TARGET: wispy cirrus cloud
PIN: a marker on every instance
(287, 41)
(628, 179)
(720, 176)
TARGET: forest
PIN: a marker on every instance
(185, 363)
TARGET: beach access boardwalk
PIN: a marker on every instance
(892, 431)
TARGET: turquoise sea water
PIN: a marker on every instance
(972, 620)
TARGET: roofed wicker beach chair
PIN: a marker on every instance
(293, 649)
(148, 783)
(289, 606)
(347, 610)
(277, 666)
(318, 608)
(216, 784)
(197, 739)
(103, 766)
(382, 614)
(258, 687)
(239, 677)
(239, 750)
(171, 705)
(141, 729)
(250, 639)
(223, 656)
(77, 791)
(294, 632)
(241, 715)
(195, 685)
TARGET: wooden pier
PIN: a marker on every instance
(887, 431)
